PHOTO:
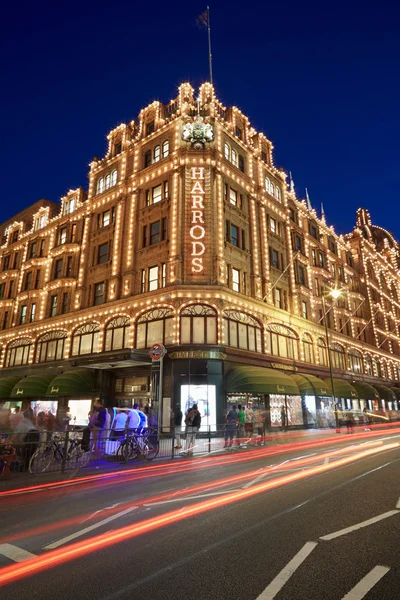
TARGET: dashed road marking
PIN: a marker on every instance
(367, 583)
(14, 553)
(336, 534)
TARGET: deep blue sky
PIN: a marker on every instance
(320, 79)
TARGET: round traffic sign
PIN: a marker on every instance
(157, 351)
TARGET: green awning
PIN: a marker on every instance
(6, 386)
(385, 392)
(75, 383)
(309, 385)
(33, 386)
(365, 391)
(343, 389)
(396, 391)
(259, 380)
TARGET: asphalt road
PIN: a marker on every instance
(312, 521)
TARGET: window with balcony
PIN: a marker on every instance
(241, 331)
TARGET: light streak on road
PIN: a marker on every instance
(60, 556)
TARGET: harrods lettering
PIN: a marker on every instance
(197, 231)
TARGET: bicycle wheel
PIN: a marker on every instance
(126, 451)
(41, 460)
(79, 458)
(149, 448)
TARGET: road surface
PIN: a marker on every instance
(313, 520)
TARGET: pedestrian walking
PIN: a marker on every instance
(241, 432)
(178, 416)
(99, 422)
(231, 426)
(193, 423)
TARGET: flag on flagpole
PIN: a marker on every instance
(202, 20)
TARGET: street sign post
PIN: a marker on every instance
(157, 353)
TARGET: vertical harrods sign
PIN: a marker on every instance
(197, 230)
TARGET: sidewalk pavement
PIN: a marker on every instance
(201, 450)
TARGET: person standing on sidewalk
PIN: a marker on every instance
(193, 423)
(230, 427)
(178, 416)
(99, 423)
(283, 417)
(241, 433)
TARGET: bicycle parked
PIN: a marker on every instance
(77, 455)
(139, 442)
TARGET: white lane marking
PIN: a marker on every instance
(184, 499)
(253, 481)
(81, 532)
(336, 534)
(326, 461)
(16, 554)
(283, 577)
(398, 504)
(363, 587)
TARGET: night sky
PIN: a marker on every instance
(320, 79)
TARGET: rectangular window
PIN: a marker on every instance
(14, 237)
(106, 218)
(118, 148)
(64, 308)
(241, 163)
(272, 225)
(275, 259)
(298, 244)
(41, 249)
(150, 128)
(263, 156)
(62, 239)
(23, 314)
(234, 237)
(5, 320)
(69, 266)
(156, 194)
(144, 236)
(99, 293)
(33, 311)
(37, 279)
(16, 260)
(155, 237)
(238, 132)
(28, 280)
(314, 257)
(147, 158)
(292, 215)
(166, 188)
(302, 275)
(53, 306)
(58, 268)
(102, 253)
(278, 298)
(153, 278)
(73, 233)
(2, 290)
(157, 154)
(321, 260)
(143, 282)
(164, 229)
(236, 280)
(163, 274)
(313, 231)
(11, 288)
(304, 311)
(233, 196)
(32, 250)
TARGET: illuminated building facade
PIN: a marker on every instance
(188, 235)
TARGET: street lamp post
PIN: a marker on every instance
(335, 293)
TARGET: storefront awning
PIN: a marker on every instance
(396, 391)
(33, 386)
(385, 392)
(258, 380)
(343, 389)
(74, 383)
(365, 391)
(309, 385)
(6, 386)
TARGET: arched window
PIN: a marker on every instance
(308, 348)
(368, 364)
(272, 189)
(100, 185)
(157, 154)
(18, 352)
(241, 331)
(198, 325)
(282, 341)
(322, 352)
(267, 185)
(277, 194)
(85, 339)
(117, 334)
(384, 371)
(227, 151)
(338, 357)
(155, 326)
(377, 367)
(355, 361)
(234, 157)
(114, 176)
(108, 181)
(165, 149)
(51, 346)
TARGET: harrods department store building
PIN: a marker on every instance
(189, 236)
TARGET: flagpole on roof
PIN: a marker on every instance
(209, 44)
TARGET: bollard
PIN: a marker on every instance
(65, 452)
(209, 438)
